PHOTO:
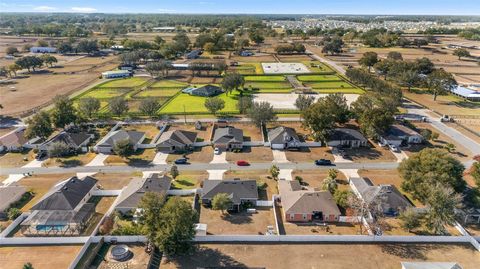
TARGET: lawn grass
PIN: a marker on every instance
(195, 104)
(268, 85)
(265, 78)
(106, 93)
(341, 90)
(318, 78)
(158, 92)
(124, 82)
(169, 84)
(329, 85)
(266, 90)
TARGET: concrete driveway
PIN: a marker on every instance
(34, 164)
(338, 158)
(160, 158)
(98, 160)
(279, 156)
(216, 174)
(285, 174)
(12, 179)
(220, 158)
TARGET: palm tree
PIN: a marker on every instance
(28, 266)
(330, 184)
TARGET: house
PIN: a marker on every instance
(386, 197)
(283, 138)
(76, 142)
(117, 74)
(194, 54)
(430, 265)
(204, 91)
(228, 138)
(301, 205)
(346, 137)
(130, 198)
(240, 191)
(64, 210)
(13, 141)
(9, 195)
(399, 134)
(43, 50)
(176, 140)
(466, 93)
(108, 142)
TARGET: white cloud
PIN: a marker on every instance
(84, 9)
(44, 8)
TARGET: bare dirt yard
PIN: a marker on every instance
(139, 259)
(237, 223)
(332, 256)
(41, 257)
(115, 181)
(314, 178)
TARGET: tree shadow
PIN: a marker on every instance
(237, 218)
(204, 257)
(71, 163)
(410, 251)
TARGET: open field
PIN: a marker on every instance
(195, 104)
(168, 84)
(41, 257)
(124, 83)
(332, 256)
(237, 223)
(157, 92)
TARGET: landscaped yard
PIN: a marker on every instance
(124, 83)
(189, 179)
(329, 85)
(318, 78)
(267, 85)
(237, 223)
(196, 104)
(251, 154)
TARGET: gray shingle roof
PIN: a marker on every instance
(177, 138)
(399, 131)
(110, 140)
(14, 139)
(237, 189)
(228, 135)
(73, 140)
(282, 135)
(341, 134)
(133, 193)
(66, 196)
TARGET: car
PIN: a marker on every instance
(242, 163)
(40, 155)
(181, 161)
(394, 148)
(323, 162)
(217, 151)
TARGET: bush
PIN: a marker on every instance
(13, 213)
(261, 185)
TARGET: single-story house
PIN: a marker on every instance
(204, 91)
(466, 93)
(9, 195)
(228, 138)
(43, 50)
(176, 140)
(240, 191)
(386, 197)
(398, 134)
(430, 265)
(108, 142)
(131, 196)
(194, 54)
(13, 141)
(301, 205)
(283, 138)
(117, 74)
(64, 210)
(346, 137)
(76, 142)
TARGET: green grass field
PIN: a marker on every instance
(268, 85)
(265, 78)
(318, 78)
(105, 93)
(329, 85)
(169, 84)
(345, 91)
(195, 104)
(124, 83)
(157, 92)
(274, 90)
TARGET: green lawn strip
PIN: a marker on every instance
(124, 83)
(268, 85)
(157, 92)
(183, 182)
(344, 91)
(318, 78)
(329, 85)
(169, 84)
(274, 78)
(106, 93)
(265, 90)
(195, 104)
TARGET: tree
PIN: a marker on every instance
(426, 134)
(149, 106)
(29, 62)
(13, 213)
(395, 55)
(48, 59)
(274, 171)
(158, 40)
(341, 197)
(441, 203)
(408, 78)
(64, 112)
(214, 104)
(176, 227)
(435, 136)
(151, 204)
(410, 219)
(450, 147)
(174, 171)
(39, 125)
(221, 201)
(460, 52)
(383, 68)
(475, 173)
(118, 105)
(88, 106)
(420, 42)
(27, 266)
(232, 81)
(428, 167)
(256, 36)
(210, 47)
(261, 113)
(123, 147)
(330, 184)
(304, 101)
(58, 149)
(14, 68)
(440, 82)
(244, 103)
(11, 50)
(87, 46)
(333, 47)
(369, 59)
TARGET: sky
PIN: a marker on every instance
(395, 7)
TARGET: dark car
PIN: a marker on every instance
(242, 163)
(181, 161)
(323, 162)
(41, 155)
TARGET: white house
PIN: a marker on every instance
(117, 74)
(283, 138)
(43, 50)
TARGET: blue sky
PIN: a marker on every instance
(447, 7)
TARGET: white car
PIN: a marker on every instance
(216, 151)
(394, 148)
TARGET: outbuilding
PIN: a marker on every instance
(43, 50)
(117, 74)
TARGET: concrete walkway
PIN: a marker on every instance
(12, 179)
(88, 174)
(400, 155)
(34, 164)
(285, 174)
(160, 158)
(350, 173)
(98, 160)
(279, 156)
(220, 158)
(215, 174)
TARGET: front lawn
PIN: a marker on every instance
(158, 92)
(195, 104)
(124, 82)
(106, 93)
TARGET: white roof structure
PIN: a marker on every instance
(466, 92)
(430, 265)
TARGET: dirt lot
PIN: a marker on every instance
(114, 181)
(260, 176)
(41, 257)
(139, 259)
(332, 256)
(250, 131)
(251, 154)
(309, 154)
(199, 155)
(237, 223)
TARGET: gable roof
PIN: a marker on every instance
(399, 131)
(177, 137)
(228, 135)
(73, 140)
(282, 134)
(236, 189)
(343, 134)
(15, 138)
(66, 195)
(296, 200)
(112, 137)
(136, 189)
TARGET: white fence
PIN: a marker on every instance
(264, 203)
(349, 219)
(14, 224)
(43, 240)
(106, 192)
(182, 192)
